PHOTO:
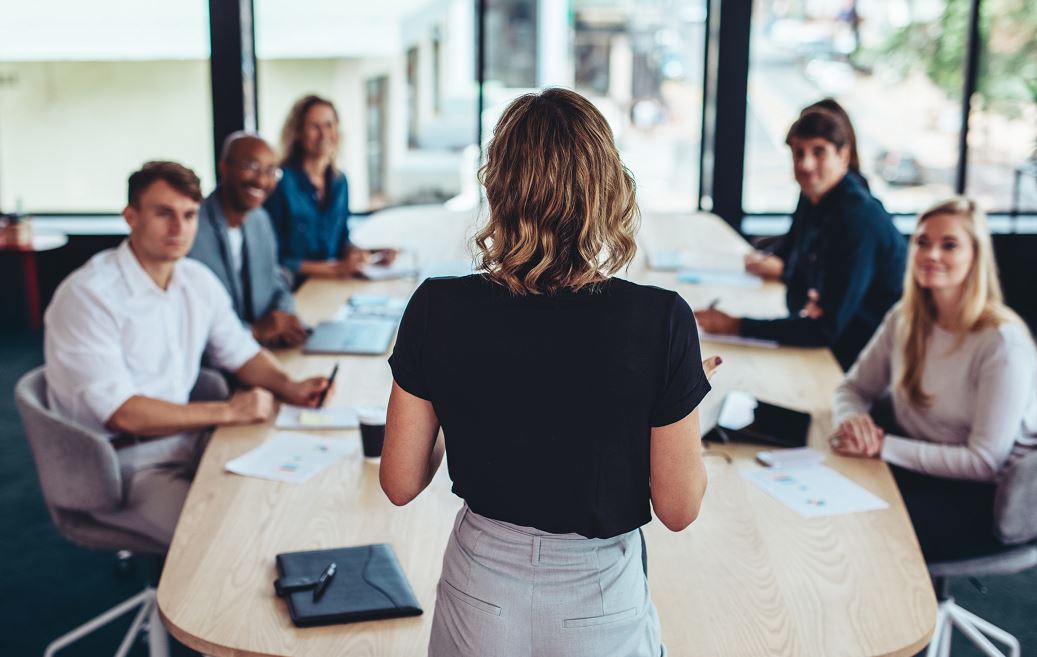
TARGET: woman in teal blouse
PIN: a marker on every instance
(310, 207)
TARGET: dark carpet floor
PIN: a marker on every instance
(48, 586)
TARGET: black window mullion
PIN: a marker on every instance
(232, 67)
(731, 70)
(971, 64)
(480, 69)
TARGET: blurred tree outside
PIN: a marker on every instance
(1007, 81)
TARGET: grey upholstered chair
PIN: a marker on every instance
(79, 475)
(1015, 516)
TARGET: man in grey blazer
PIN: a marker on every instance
(236, 241)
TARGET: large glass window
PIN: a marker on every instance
(895, 65)
(639, 61)
(91, 90)
(1002, 168)
(404, 141)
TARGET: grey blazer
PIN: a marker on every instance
(269, 285)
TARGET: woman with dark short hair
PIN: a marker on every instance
(842, 261)
(310, 207)
(567, 397)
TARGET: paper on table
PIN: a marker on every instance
(719, 278)
(297, 417)
(447, 268)
(665, 260)
(738, 411)
(737, 339)
(371, 305)
(388, 272)
(814, 491)
(289, 457)
(702, 260)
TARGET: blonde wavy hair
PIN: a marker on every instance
(982, 303)
(291, 132)
(563, 212)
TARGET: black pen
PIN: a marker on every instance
(323, 581)
(324, 393)
(713, 304)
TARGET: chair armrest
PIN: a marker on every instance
(210, 386)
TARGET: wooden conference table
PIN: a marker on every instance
(748, 578)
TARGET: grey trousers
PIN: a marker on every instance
(511, 591)
(156, 476)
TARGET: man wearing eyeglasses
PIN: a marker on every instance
(236, 241)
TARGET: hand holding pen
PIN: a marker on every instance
(327, 388)
(311, 392)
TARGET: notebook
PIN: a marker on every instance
(744, 418)
(369, 584)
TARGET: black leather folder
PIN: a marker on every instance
(368, 585)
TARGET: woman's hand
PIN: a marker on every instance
(764, 264)
(716, 322)
(858, 435)
(382, 257)
(710, 365)
(352, 263)
(812, 309)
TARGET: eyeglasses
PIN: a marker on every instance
(255, 168)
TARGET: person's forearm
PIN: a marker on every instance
(435, 459)
(849, 401)
(262, 371)
(146, 416)
(284, 301)
(321, 268)
(965, 462)
(794, 331)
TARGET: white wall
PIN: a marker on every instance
(72, 132)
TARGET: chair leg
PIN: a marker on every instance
(975, 628)
(157, 637)
(948, 630)
(135, 626)
(941, 628)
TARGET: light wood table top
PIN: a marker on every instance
(749, 578)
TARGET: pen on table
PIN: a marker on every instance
(323, 581)
(324, 393)
(713, 304)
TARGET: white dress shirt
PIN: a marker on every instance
(236, 239)
(111, 333)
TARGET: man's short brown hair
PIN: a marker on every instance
(175, 175)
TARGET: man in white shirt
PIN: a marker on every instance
(124, 340)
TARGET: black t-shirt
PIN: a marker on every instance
(547, 402)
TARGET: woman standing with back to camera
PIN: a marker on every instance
(567, 399)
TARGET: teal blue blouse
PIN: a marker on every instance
(308, 229)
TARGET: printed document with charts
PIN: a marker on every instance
(814, 491)
(290, 457)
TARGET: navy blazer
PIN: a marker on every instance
(268, 282)
(847, 248)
